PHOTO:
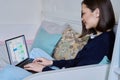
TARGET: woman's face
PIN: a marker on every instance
(90, 18)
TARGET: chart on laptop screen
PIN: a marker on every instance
(17, 49)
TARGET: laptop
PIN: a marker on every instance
(18, 51)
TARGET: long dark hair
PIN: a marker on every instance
(106, 18)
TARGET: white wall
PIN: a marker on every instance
(68, 11)
(63, 11)
(24, 16)
(19, 17)
(20, 11)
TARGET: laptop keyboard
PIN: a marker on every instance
(25, 62)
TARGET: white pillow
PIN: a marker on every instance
(52, 27)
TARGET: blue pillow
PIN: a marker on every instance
(105, 60)
(46, 41)
(13, 73)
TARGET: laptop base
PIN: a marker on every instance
(21, 65)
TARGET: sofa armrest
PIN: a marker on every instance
(91, 72)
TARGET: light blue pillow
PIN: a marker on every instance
(105, 60)
(46, 41)
(37, 53)
(13, 73)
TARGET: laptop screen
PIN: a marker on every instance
(17, 49)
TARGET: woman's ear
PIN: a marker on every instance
(97, 12)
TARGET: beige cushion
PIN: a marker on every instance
(69, 45)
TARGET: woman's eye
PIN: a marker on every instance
(82, 14)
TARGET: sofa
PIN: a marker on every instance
(90, 72)
(66, 48)
(61, 42)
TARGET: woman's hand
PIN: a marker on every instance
(38, 64)
(43, 61)
(34, 67)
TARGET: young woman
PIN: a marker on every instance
(98, 21)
